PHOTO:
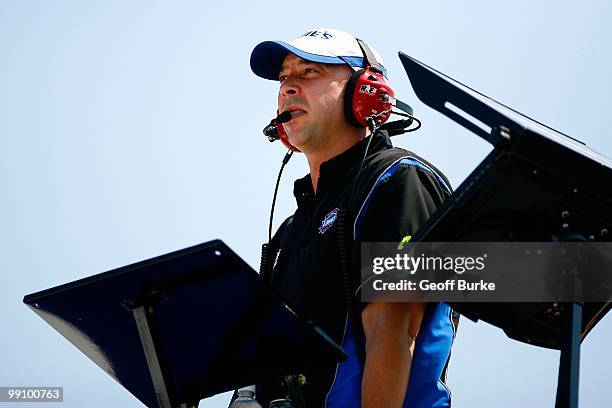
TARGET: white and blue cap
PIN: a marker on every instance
(323, 45)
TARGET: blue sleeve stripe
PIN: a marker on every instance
(425, 167)
(386, 174)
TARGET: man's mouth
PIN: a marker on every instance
(295, 112)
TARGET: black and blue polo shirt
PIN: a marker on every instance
(396, 192)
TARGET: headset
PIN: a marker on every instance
(367, 95)
(368, 102)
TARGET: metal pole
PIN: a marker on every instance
(569, 363)
(148, 345)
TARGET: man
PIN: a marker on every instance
(407, 345)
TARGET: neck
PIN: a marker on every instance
(340, 144)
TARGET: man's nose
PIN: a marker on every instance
(289, 87)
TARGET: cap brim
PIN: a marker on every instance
(267, 58)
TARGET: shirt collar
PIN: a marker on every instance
(337, 166)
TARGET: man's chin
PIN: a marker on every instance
(298, 145)
(297, 139)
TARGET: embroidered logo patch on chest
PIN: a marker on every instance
(328, 221)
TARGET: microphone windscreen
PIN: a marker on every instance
(270, 130)
(284, 117)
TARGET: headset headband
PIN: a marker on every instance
(370, 58)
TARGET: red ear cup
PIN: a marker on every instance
(366, 95)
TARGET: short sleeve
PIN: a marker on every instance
(401, 204)
(397, 208)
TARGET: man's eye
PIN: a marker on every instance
(310, 70)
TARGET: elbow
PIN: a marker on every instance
(400, 320)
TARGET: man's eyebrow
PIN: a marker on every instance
(301, 62)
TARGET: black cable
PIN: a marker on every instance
(347, 284)
(280, 172)
(412, 118)
(264, 263)
(343, 258)
(374, 130)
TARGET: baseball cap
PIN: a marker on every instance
(323, 45)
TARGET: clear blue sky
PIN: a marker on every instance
(132, 129)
